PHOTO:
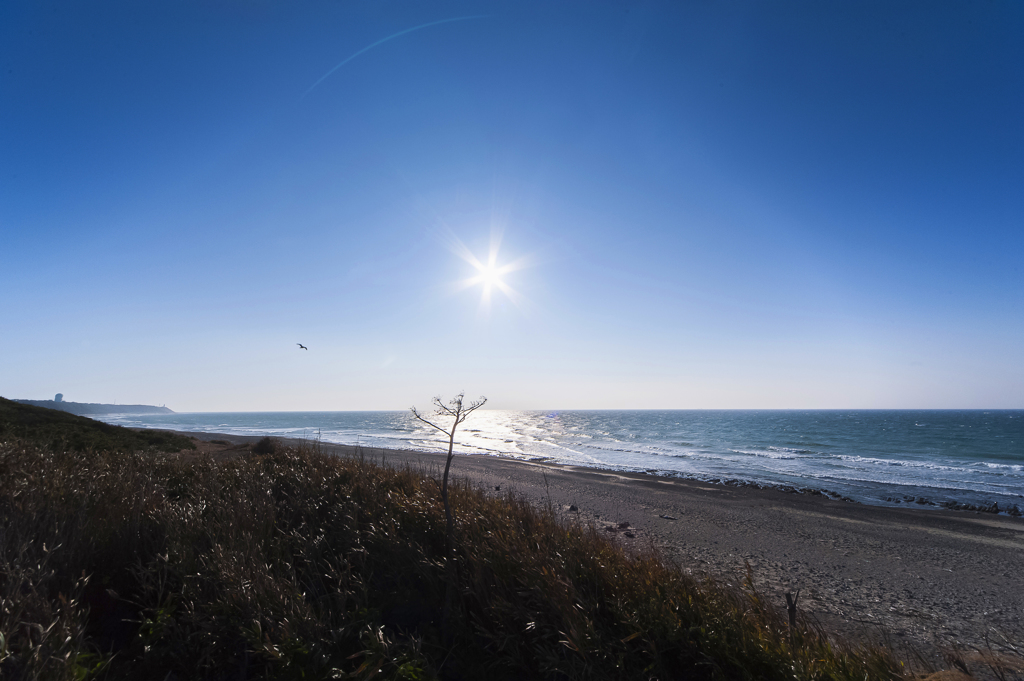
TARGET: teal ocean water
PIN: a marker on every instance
(875, 457)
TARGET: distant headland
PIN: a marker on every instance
(86, 408)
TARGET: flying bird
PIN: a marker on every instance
(302, 346)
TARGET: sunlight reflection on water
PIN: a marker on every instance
(966, 456)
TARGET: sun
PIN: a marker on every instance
(490, 272)
(489, 275)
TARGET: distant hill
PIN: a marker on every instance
(63, 431)
(84, 408)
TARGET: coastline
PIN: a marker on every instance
(924, 577)
(965, 460)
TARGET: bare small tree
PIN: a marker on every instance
(457, 411)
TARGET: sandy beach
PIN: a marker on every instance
(932, 579)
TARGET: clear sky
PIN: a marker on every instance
(699, 204)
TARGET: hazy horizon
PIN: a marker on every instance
(633, 206)
(551, 410)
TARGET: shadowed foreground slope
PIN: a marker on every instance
(297, 564)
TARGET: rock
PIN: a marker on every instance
(623, 526)
(667, 517)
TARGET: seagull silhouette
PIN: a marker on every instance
(302, 346)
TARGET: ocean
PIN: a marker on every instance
(875, 457)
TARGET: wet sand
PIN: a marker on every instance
(931, 578)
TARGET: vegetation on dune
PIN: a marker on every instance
(61, 430)
(297, 564)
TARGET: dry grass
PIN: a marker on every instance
(296, 564)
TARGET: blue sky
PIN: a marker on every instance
(717, 204)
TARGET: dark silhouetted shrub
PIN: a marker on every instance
(264, 446)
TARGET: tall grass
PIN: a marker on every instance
(297, 564)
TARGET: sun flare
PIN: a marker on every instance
(490, 272)
(489, 275)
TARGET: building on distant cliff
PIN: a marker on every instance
(87, 409)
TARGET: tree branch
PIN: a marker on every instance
(434, 425)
